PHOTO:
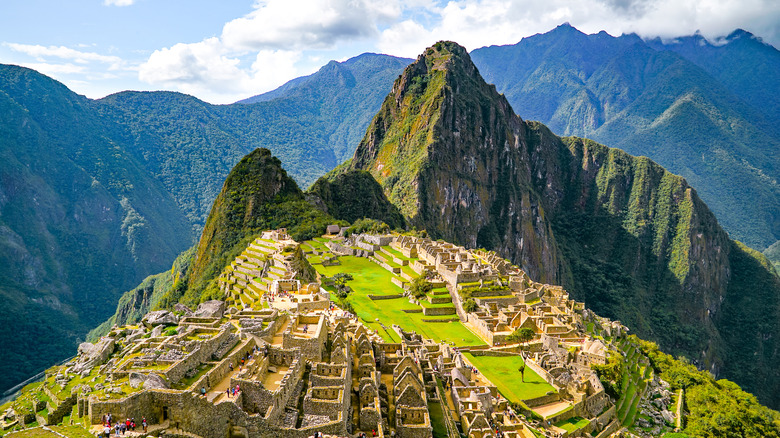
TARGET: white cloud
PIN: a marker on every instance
(259, 51)
(118, 2)
(307, 24)
(280, 39)
(477, 23)
(207, 69)
(41, 53)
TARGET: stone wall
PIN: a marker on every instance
(438, 311)
(270, 404)
(64, 408)
(311, 347)
(308, 306)
(222, 369)
(203, 354)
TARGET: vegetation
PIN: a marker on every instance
(521, 334)
(469, 305)
(354, 195)
(340, 280)
(702, 115)
(367, 225)
(716, 408)
(372, 279)
(257, 195)
(611, 374)
(419, 287)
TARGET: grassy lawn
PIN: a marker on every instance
(370, 278)
(315, 244)
(573, 424)
(437, 420)
(502, 371)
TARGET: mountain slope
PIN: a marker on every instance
(629, 238)
(692, 107)
(80, 221)
(97, 195)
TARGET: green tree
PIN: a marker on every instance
(522, 334)
(340, 280)
(420, 287)
(470, 305)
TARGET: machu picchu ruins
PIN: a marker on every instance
(292, 348)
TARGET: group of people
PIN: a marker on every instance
(120, 427)
(271, 296)
(231, 392)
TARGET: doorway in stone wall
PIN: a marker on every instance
(165, 413)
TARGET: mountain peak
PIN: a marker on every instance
(258, 179)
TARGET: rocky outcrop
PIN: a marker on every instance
(210, 309)
(155, 381)
(451, 153)
(160, 317)
(91, 355)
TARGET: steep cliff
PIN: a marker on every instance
(632, 240)
(452, 155)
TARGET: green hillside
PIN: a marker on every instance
(703, 111)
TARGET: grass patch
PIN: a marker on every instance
(370, 278)
(502, 371)
(572, 424)
(73, 431)
(437, 420)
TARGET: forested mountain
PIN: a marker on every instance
(95, 195)
(621, 233)
(706, 112)
(81, 220)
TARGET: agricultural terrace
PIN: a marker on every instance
(371, 279)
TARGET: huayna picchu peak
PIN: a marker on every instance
(467, 273)
(629, 238)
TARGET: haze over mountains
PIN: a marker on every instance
(99, 194)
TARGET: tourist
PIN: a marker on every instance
(143, 422)
(132, 424)
(202, 391)
(106, 431)
(228, 392)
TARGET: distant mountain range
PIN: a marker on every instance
(97, 194)
(706, 112)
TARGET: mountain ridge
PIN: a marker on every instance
(481, 176)
(690, 107)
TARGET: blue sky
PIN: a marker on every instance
(225, 51)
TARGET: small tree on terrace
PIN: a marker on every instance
(522, 335)
(420, 287)
(470, 305)
(340, 280)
